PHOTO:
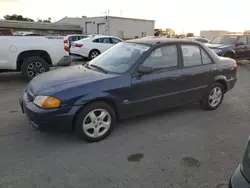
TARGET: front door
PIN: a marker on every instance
(198, 72)
(159, 88)
(241, 49)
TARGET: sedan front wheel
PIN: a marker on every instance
(95, 122)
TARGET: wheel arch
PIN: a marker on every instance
(221, 79)
(108, 100)
(230, 52)
(29, 53)
(95, 49)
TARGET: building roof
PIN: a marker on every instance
(38, 25)
(71, 20)
(117, 17)
(80, 21)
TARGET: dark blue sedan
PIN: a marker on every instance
(231, 45)
(131, 78)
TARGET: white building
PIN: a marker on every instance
(211, 34)
(125, 28)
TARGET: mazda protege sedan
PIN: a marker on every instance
(131, 78)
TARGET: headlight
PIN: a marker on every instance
(216, 50)
(46, 102)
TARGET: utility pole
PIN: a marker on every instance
(108, 22)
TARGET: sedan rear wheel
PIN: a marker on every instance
(93, 54)
(95, 122)
(213, 97)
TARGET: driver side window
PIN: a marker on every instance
(162, 57)
(242, 39)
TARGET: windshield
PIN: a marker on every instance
(226, 39)
(120, 57)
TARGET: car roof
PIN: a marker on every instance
(156, 41)
(102, 36)
(76, 35)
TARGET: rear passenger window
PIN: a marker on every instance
(205, 58)
(163, 57)
(104, 40)
(115, 41)
(191, 55)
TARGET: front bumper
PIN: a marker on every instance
(45, 119)
(238, 180)
(65, 61)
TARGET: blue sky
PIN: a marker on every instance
(181, 15)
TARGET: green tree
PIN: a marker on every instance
(44, 21)
(169, 32)
(190, 35)
(18, 18)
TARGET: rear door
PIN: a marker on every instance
(160, 88)
(104, 44)
(115, 40)
(198, 72)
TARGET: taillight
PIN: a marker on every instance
(66, 45)
(236, 68)
(77, 45)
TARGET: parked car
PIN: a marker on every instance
(75, 37)
(6, 32)
(93, 46)
(231, 45)
(199, 39)
(131, 78)
(241, 176)
(32, 55)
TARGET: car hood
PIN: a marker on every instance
(64, 78)
(218, 45)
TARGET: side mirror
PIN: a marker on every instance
(240, 43)
(144, 70)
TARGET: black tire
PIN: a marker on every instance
(83, 116)
(34, 61)
(206, 104)
(93, 54)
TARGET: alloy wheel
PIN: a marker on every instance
(35, 68)
(96, 123)
(94, 54)
(215, 97)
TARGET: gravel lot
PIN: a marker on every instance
(181, 147)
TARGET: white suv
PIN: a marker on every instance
(92, 46)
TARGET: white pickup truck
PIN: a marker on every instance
(33, 55)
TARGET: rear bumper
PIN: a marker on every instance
(238, 180)
(231, 83)
(65, 61)
(46, 119)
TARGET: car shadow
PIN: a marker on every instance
(12, 78)
(174, 111)
(125, 125)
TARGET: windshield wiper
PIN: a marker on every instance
(99, 68)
